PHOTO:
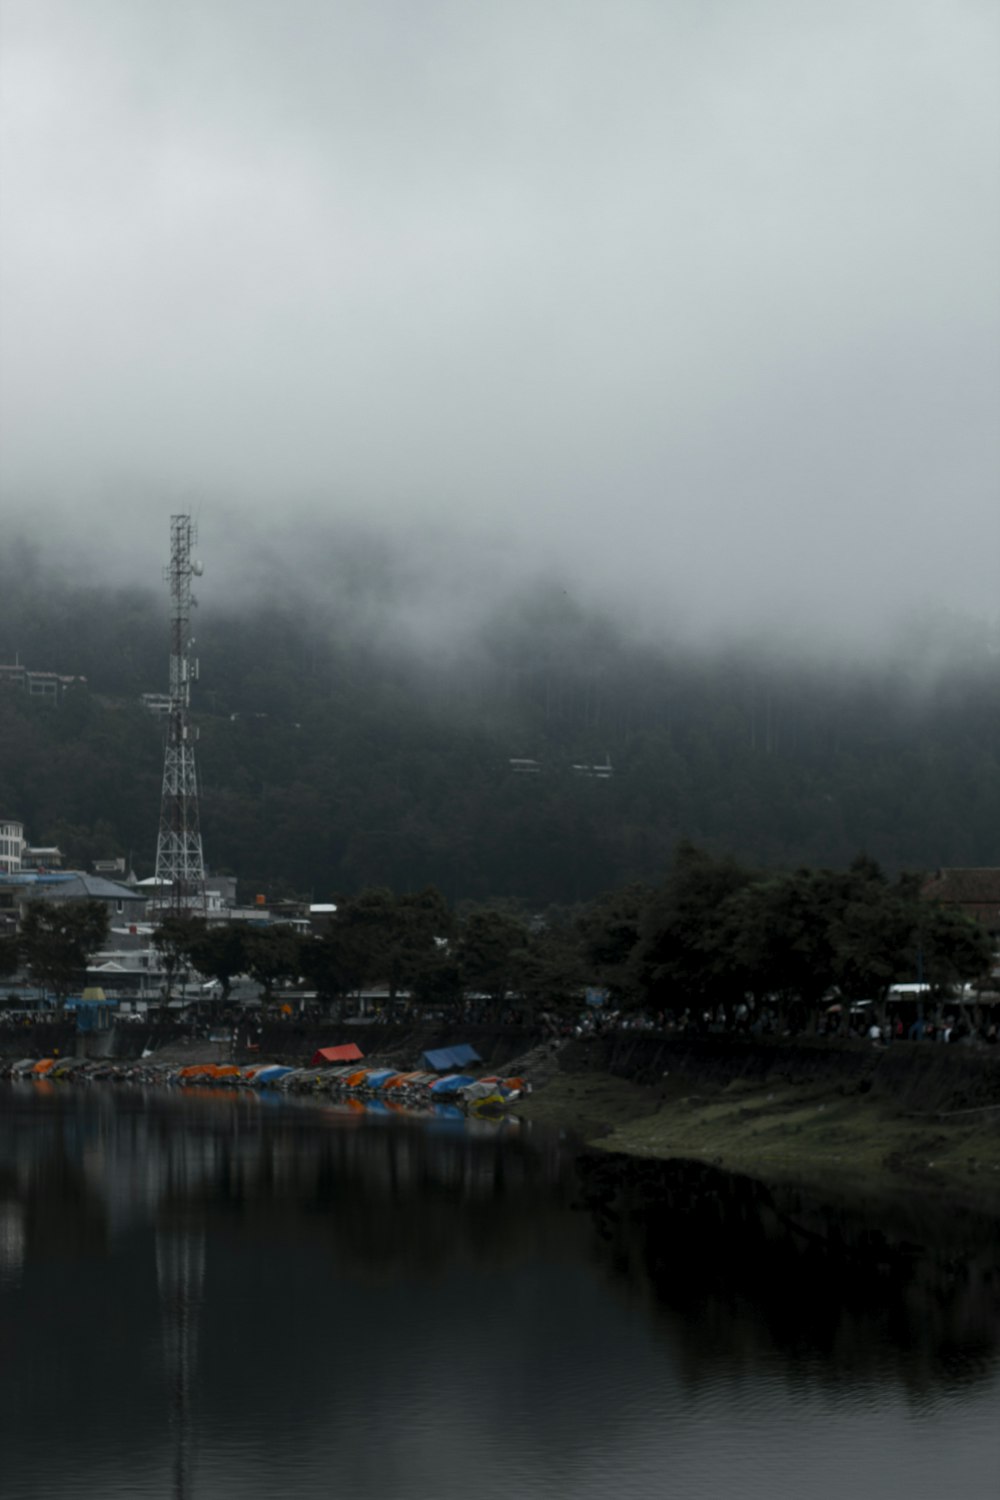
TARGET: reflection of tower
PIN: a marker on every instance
(178, 846)
(180, 1271)
(12, 1242)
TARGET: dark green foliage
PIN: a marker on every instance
(684, 951)
(335, 963)
(551, 971)
(491, 951)
(174, 939)
(715, 933)
(609, 933)
(271, 956)
(218, 952)
(416, 957)
(947, 947)
(56, 940)
(328, 763)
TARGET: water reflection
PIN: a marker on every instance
(739, 1275)
(202, 1297)
(180, 1273)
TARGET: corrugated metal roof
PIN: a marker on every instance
(92, 887)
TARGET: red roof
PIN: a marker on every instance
(349, 1052)
(974, 891)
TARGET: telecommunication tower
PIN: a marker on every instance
(178, 847)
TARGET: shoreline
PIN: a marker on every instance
(917, 1116)
(780, 1132)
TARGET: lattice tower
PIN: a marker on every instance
(178, 847)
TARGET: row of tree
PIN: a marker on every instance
(713, 933)
(716, 932)
(414, 945)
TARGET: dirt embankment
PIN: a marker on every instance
(922, 1076)
(916, 1112)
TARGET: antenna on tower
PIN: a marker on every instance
(179, 859)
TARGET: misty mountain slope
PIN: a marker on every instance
(329, 760)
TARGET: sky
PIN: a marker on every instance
(692, 305)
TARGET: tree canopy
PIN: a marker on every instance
(57, 938)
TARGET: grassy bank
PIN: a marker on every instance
(786, 1122)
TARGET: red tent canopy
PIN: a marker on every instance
(349, 1052)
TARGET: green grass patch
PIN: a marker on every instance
(778, 1132)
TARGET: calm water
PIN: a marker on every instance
(218, 1297)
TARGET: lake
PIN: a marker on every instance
(229, 1296)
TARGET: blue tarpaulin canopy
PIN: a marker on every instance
(269, 1075)
(451, 1084)
(445, 1058)
(376, 1079)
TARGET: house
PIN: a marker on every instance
(75, 885)
(976, 892)
(41, 857)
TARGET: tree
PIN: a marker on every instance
(218, 951)
(947, 947)
(490, 945)
(272, 954)
(779, 932)
(333, 963)
(550, 972)
(56, 940)
(172, 940)
(871, 932)
(609, 934)
(418, 958)
(437, 981)
(683, 953)
(368, 923)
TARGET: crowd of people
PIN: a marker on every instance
(969, 1025)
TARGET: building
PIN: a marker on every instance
(74, 885)
(11, 846)
(49, 686)
(41, 857)
(976, 892)
(157, 704)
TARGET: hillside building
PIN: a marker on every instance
(48, 686)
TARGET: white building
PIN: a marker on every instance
(11, 846)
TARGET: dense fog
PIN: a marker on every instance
(689, 311)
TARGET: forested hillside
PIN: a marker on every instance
(329, 763)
